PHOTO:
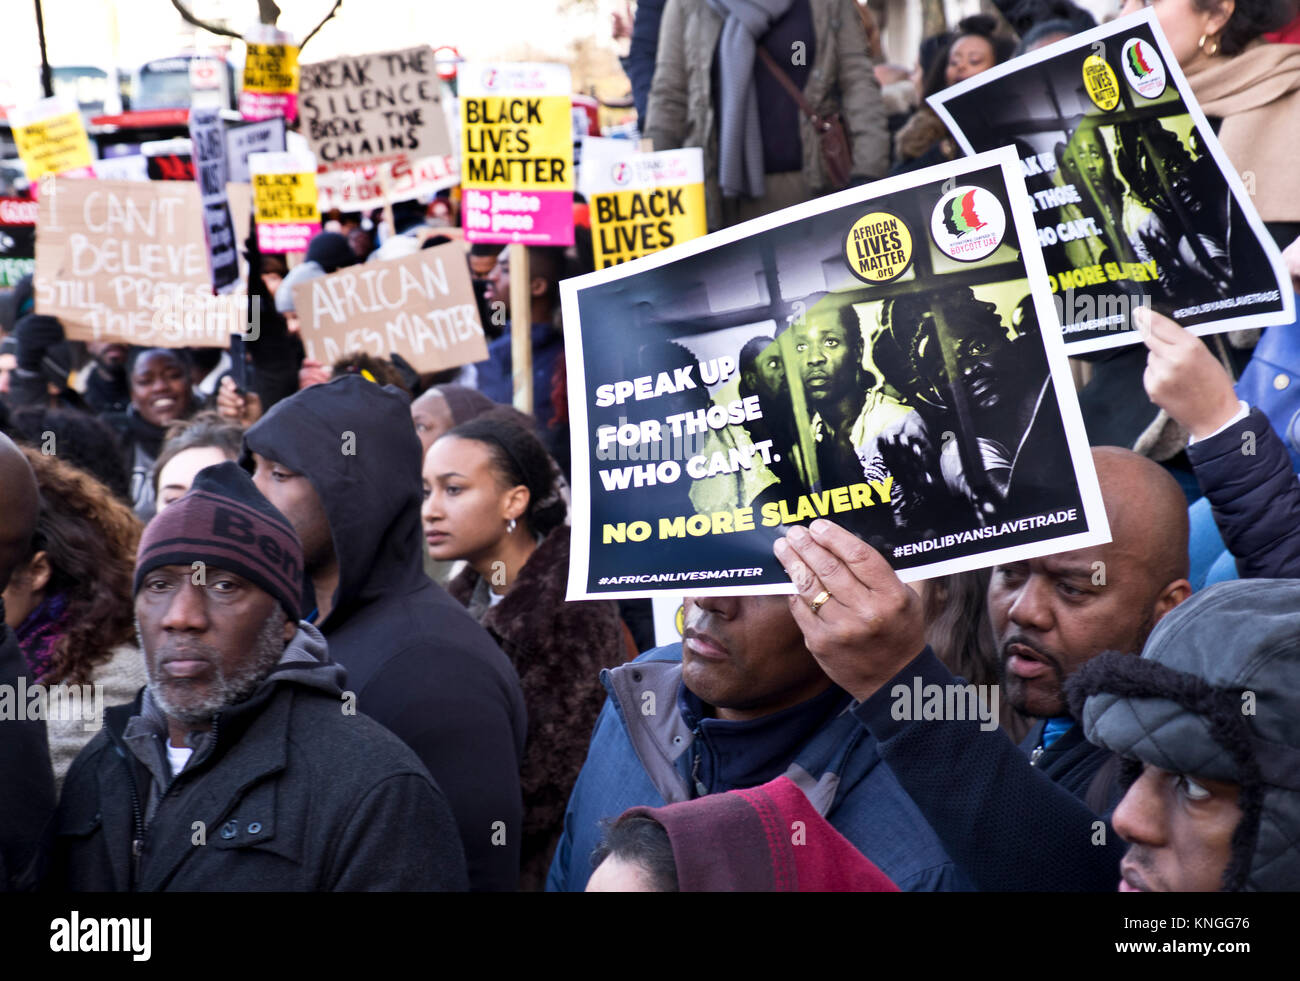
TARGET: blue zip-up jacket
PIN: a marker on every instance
(648, 748)
(496, 374)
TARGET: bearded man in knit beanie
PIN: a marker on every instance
(243, 765)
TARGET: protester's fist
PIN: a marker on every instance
(312, 373)
(34, 336)
(1291, 256)
(871, 626)
(244, 409)
(1183, 377)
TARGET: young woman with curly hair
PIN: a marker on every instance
(491, 498)
(69, 601)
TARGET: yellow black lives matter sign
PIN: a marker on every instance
(878, 247)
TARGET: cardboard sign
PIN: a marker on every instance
(1135, 202)
(51, 137)
(17, 240)
(270, 86)
(359, 188)
(267, 136)
(208, 136)
(641, 202)
(374, 108)
(126, 261)
(517, 153)
(421, 307)
(284, 199)
(829, 360)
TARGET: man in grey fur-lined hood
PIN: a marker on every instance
(1208, 720)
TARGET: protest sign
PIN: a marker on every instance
(17, 239)
(372, 185)
(421, 307)
(887, 357)
(1135, 202)
(516, 153)
(284, 200)
(374, 108)
(132, 167)
(50, 136)
(266, 136)
(641, 202)
(270, 84)
(169, 160)
(208, 136)
(126, 261)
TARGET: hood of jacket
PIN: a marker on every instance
(739, 842)
(662, 739)
(1216, 694)
(354, 441)
(306, 662)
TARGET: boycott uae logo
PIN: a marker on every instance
(620, 173)
(968, 224)
(1143, 68)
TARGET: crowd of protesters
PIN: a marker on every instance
(353, 667)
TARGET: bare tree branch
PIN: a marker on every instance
(211, 28)
(333, 10)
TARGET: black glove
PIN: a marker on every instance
(36, 335)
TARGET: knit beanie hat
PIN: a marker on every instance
(1215, 694)
(464, 403)
(225, 521)
(331, 251)
(763, 839)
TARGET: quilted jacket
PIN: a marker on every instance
(1245, 471)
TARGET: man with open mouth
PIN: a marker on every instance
(1027, 819)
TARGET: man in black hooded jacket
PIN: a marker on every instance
(342, 462)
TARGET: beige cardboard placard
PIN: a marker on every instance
(421, 307)
(126, 261)
(374, 108)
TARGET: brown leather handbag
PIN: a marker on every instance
(837, 157)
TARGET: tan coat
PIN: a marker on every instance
(681, 109)
(119, 678)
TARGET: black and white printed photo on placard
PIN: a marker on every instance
(886, 357)
(1134, 201)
